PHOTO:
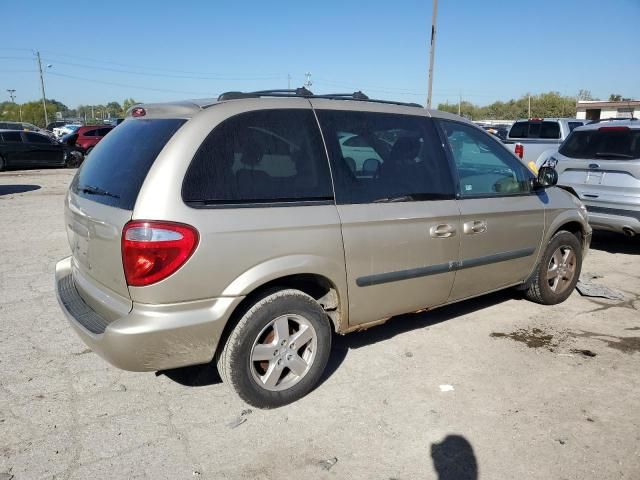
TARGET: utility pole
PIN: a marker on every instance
(308, 82)
(44, 101)
(432, 49)
(529, 105)
(288, 81)
(459, 102)
(12, 94)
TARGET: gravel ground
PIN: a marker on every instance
(492, 388)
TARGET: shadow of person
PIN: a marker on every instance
(453, 459)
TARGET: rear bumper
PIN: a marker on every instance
(149, 337)
(614, 219)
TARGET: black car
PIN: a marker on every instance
(29, 149)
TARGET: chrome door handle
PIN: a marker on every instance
(443, 230)
(475, 226)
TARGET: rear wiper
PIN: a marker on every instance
(615, 155)
(90, 189)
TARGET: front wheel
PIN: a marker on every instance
(278, 350)
(558, 271)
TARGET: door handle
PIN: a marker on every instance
(475, 226)
(443, 230)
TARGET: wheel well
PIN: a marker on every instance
(316, 286)
(573, 227)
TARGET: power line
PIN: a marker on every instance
(143, 68)
(207, 94)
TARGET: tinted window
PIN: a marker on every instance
(120, 162)
(535, 129)
(13, 137)
(573, 125)
(90, 133)
(260, 157)
(35, 138)
(484, 167)
(614, 144)
(103, 131)
(519, 130)
(398, 157)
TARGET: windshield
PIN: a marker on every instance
(617, 143)
(118, 165)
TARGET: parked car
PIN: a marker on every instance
(24, 126)
(499, 131)
(57, 124)
(29, 149)
(534, 139)
(236, 230)
(66, 129)
(601, 163)
(89, 136)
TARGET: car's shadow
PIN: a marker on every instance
(615, 242)
(13, 189)
(203, 375)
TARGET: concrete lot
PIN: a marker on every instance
(436, 395)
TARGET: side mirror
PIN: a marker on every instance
(547, 177)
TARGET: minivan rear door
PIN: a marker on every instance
(100, 202)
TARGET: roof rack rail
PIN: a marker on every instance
(303, 92)
(612, 119)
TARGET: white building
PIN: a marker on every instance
(597, 109)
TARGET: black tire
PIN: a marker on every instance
(2, 163)
(243, 375)
(540, 290)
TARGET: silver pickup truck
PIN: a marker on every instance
(534, 139)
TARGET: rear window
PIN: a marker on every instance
(117, 166)
(535, 130)
(611, 144)
(260, 157)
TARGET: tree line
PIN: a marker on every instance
(32, 112)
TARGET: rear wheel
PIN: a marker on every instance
(278, 350)
(558, 271)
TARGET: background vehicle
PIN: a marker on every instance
(65, 129)
(533, 140)
(89, 136)
(29, 149)
(237, 230)
(499, 131)
(601, 163)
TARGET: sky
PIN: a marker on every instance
(167, 50)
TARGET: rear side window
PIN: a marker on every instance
(118, 165)
(573, 125)
(537, 129)
(266, 156)
(378, 157)
(35, 138)
(90, 133)
(612, 143)
(12, 137)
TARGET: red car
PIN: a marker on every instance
(90, 135)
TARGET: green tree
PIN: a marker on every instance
(127, 104)
(615, 97)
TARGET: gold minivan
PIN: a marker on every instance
(247, 230)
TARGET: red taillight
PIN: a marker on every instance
(138, 112)
(519, 150)
(613, 129)
(151, 251)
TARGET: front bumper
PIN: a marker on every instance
(149, 337)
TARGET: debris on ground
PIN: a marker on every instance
(446, 388)
(408, 354)
(590, 289)
(248, 411)
(236, 422)
(586, 353)
(328, 464)
(5, 476)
